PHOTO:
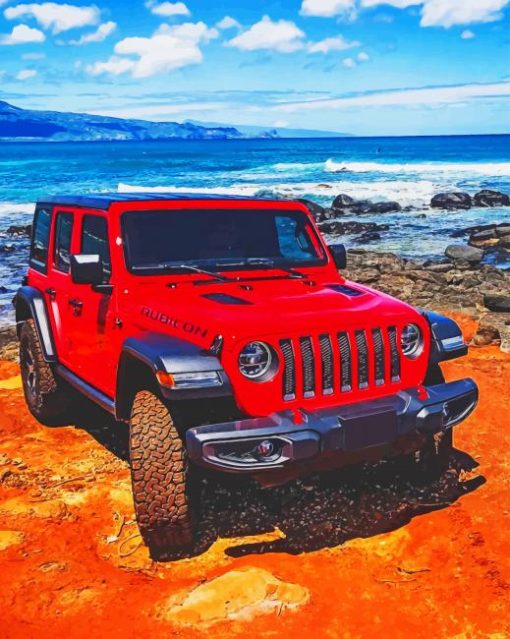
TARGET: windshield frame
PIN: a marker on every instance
(218, 265)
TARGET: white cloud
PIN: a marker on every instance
(446, 13)
(363, 56)
(21, 34)
(332, 44)
(467, 35)
(399, 4)
(327, 8)
(406, 97)
(101, 33)
(26, 74)
(33, 56)
(167, 9)
(349, 63)
(228, 23)
(57, 17)
(170, 48)
(282, 36)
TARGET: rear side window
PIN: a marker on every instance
(63, 234)
(40, 240)
(94, 240)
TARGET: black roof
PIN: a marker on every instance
(104, 200)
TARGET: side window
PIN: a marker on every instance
(94, 240)
(40, 240)
(63, 234)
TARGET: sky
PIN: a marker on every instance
(364, 67)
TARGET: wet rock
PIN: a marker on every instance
(484, 238)
(318, 211)
(342, 201)
(502, 230)
(7, 248)
(451, 201)
(371, 236)
(336, 227)
(461, 253)
(19, 230)
(498, 303)
(488, 198)
(346, 205)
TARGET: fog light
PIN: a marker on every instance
(265, 449)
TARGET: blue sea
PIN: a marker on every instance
(409, 170)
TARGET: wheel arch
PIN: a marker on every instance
(29, 304)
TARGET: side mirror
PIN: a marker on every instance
(86, 269)
(339, 255)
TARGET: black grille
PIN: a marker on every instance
(395, 358)
(361, 345)
(308, 366)
(327, 364)
(345, 362)
(379, 356)
(289, 373)
(367, 352)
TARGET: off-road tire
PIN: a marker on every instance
(433, 458)
(163, 491)
(46, 396)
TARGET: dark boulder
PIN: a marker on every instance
(375, 208)
(336, 227)
(19, 230)
(343, 201)
(461, 253)
(451, 201)
(317, 211)
(487, 198)
(346, 205)
(483, 238)
(497, 302)
(369, 236)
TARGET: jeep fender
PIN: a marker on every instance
(142, 357)
(446, 338)
(29, 304)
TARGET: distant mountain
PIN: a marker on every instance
(29, 125)
(277, 132)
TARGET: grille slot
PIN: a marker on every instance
(289, 373)
(361, 345)
(395, 358)
(379, 356)
(327, 364)
(345, 362)
(308, 360)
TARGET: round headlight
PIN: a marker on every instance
(255, 360)
(411, 340)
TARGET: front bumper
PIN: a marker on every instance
(282, 439)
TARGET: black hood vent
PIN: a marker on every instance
(223, 298)
(346, 290)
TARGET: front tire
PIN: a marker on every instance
(162, 491)
(45, 394)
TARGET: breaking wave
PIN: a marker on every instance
(492, 169)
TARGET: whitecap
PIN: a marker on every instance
(492, 169)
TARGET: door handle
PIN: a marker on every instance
(51, 292)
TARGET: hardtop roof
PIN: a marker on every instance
(103, 201)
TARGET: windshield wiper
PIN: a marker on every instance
(263, 261)
(169, 268)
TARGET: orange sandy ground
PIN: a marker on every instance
(71, 564)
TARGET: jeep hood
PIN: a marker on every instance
(254, 309)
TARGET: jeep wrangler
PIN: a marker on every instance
(221, 332)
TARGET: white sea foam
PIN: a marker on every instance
(11, 208)
(494, 169)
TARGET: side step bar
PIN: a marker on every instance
(89, 391)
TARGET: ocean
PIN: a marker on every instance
(408, 170)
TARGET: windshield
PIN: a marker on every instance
(156, 241)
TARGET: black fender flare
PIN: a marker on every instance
(446, 338)
(29, 303)
(153, 352)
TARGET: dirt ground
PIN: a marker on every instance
(366, 552)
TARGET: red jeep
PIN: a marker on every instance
(222, 333)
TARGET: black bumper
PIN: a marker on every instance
(274, 442)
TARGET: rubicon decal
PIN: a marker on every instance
(179, 324)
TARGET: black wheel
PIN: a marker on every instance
(163, 491)
(46, 396)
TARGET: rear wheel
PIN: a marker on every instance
(162, 486)
(46, 396)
